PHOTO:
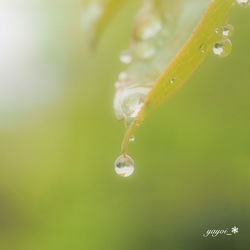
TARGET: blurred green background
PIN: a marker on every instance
(58, 189)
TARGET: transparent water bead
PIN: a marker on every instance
(243, 3)
(132, 138)
(172, 80)
(124, 165)
(204, 48)
(126, 57)
(223, 48)
(148, 27)
(225, 31)
(133, 101)
(145, 50)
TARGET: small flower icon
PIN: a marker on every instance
(235, 229)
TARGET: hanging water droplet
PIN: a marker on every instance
(223, 48)
(124, 165)
(243, 3)
(225, 31)
(133, 101)
(132, 138)
(145, 50)
(126, 57)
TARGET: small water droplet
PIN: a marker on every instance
(126, 57)
(172, 80)
(225, 31)
(223, 48)
(124, 165)
(133, 101)
(145, 50)
(204, 48)
(243, 3)
(123, 80)
(132, 138)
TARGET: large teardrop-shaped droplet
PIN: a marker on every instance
(149, 27)
(124, 165)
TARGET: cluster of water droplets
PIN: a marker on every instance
(223, 46)
(148, 55)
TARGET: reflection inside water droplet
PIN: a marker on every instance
(124, 165)
(150, 28)
(223, 48)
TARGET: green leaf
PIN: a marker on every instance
(196, 47)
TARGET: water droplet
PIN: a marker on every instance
(225, 31)
(125, 57)
(204, 47)
(172, 80)
(149, 28)
(223, 48)
(243, 3)
(133, 101)
(123, 81)
(145, 50)
(124, 165)
(123, 76)
(132, 138)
